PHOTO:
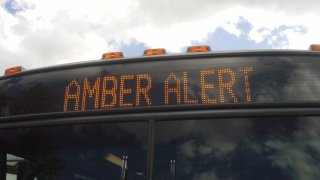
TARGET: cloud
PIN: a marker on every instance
(44, 33)
(133, 48)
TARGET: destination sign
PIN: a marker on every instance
(133, 90)
(107, 85)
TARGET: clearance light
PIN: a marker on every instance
(152, 52)
(193, 49)
(112, 55)
(13, 70)
(314, 47)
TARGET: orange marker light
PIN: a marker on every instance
(193, 49)
(13, 70)
(112, 55)
(314, 47)
(152, 52)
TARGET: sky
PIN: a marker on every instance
(39, 33)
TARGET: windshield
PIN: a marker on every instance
(88, 151)
(237, 148)
(257, 148)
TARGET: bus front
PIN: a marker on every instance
(196, 115)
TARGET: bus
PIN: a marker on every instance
(191, 116)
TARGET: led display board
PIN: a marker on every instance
(148, 83)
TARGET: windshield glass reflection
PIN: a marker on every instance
(261, 148)
(89, 151)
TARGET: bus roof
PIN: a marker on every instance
(173, 56)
